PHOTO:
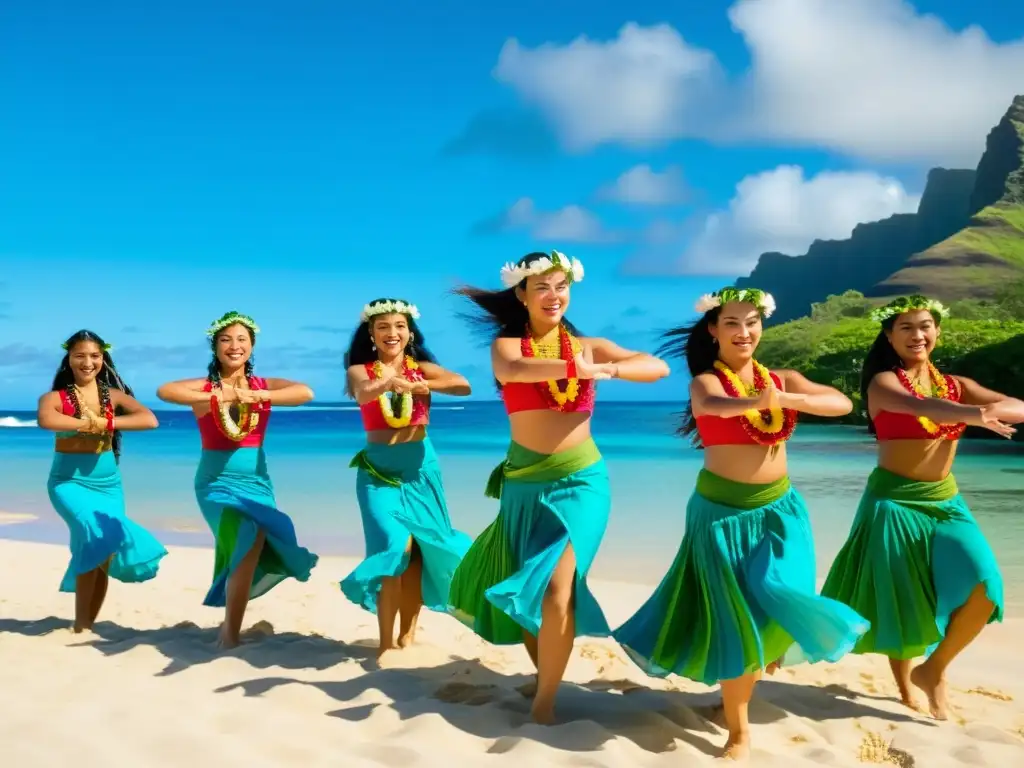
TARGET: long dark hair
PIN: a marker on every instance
(501, 314)
(694, 344)
(361, 349)
(108, 378)
(881, 357)
(213, 369)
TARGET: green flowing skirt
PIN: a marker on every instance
(741, 591)
(548, 502)
(913, 557)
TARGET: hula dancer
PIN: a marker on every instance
(88, 406)
(411, 548)
(741, 591)
(256, 547)
(525, 577)
(916, 564)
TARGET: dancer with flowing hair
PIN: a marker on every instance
(915, 563)
(411, 548)
(256, 546)
(524, 580)
(89, 406)
(741, 590)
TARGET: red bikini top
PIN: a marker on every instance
(538, 397)
(734, 430)
(214, 440)
(373, 412)
(68, 408)
(904, 426)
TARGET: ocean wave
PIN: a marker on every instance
(11, 421)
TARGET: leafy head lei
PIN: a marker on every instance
(513, 274)
(905, 304)
(232, 318)
(764, 302)
(67, 348)
(389, 307)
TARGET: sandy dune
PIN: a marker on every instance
(149, 689)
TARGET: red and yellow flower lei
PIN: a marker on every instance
(943, 388)
(248, 418)
(409, 408)
(569, 347)
(768, 427)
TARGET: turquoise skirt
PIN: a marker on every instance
(499, 588)
(913, 557)
(236, 498)
(401, 498)
(741, 592)
(85, 489)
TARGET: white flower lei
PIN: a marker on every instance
(764, 302)
(513, 274)
(389, 308)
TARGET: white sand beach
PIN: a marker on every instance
(149, 688)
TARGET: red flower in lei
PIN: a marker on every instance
(584, 395)
(411, 373)
(758, 436)
(951, 392)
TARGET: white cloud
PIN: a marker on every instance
(641, 185)
(780, 210)
(637, 88)
(871, 78)
(569, 224)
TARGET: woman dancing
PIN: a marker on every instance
(916, 564)
(256, 547)
(411, 548)
(741, 590)
(525, 577)
(88, 406)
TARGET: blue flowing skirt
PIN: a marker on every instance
(394, 515)
(236, 497)
(85, 490)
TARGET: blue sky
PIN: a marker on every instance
(165, 164)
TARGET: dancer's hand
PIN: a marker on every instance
(400, 385)
(85, 426)
(420, 388)
(768, 399)
(228, 394)
(249, 396)
(597, 371)
(986, 418)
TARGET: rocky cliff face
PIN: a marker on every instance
(872, 253)
(989, 251)
(966, 238)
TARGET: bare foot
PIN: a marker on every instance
(528, 689)
(226, 643)
(543, 713)
(381, 650)
(737, 747)
(934, 688)
(404, 641)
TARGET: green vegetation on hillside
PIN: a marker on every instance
(982, 339)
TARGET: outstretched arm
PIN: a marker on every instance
(184, 392)
(629, 366)
(133, 416)
(708, 398)
(287, 392)
(446, 382)
(802, 394)
(1007, 409)
(511, 367)
(887, 394)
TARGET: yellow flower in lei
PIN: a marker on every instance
(754, 416)
(386, 402)
(939, 390)
(553, 352)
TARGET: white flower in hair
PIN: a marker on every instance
(707, 302)
(513, 274)
(767, 305)
(389, 308)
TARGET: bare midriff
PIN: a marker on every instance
(547, 431)
(97, 444)
(411, 434)
(926, 460)
(754, 464)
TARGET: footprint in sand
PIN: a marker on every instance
(997, 695)
(467, 693)
(875, 749)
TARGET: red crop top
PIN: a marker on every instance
(214, 440)
(373, 413)
(904, 426)
(734, 430)
(537, 396)
(68, 408)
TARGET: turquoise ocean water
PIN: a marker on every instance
(652, 474)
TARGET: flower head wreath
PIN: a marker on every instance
(764, 302)
(396, 307)
(513, 274)
(905, 304)
(66, 347)
(231, 318)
